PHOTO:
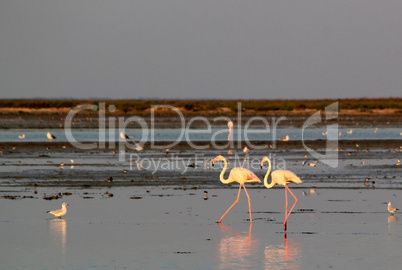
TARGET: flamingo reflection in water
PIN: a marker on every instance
(238, 250)
(242, 250)
(282, 256)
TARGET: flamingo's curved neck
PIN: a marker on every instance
(266, 176)
(223, 180)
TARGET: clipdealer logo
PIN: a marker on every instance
(331, 154)
(107, 131)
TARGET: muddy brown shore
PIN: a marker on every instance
(23, 118)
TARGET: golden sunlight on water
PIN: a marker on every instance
(283, 256)
(58, 232)
(237, 250)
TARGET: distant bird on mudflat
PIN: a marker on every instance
(139, 166)
(124, 136)
(313, 164)
(50, 136)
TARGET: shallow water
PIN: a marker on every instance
(166, 228)
(214, 134)
(159, 217)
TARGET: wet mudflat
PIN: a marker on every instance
(159, 217)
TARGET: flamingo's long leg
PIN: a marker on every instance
(249, 204)
(286, 187)
(286, 206)
(296, 200)
(237, 200)
(286, 209)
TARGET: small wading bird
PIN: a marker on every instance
(281, 177)
(138, 147)
(124, 136)
(311, 163)
(50, 136)
(130, 138)
(392, 209)
(59, 213)
(21, 136)
(284, 139)
(239, 175)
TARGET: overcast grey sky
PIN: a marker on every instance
(200, 49)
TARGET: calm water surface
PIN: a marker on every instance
(163, 228)
(81, 135)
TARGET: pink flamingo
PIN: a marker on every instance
(230, 126)
(230, 137)
(281, 177)
(239, 175)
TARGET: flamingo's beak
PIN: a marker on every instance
(262, 164)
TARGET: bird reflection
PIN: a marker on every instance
(58, 231)
(282, 256)
(392, 218)
(237, 250)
